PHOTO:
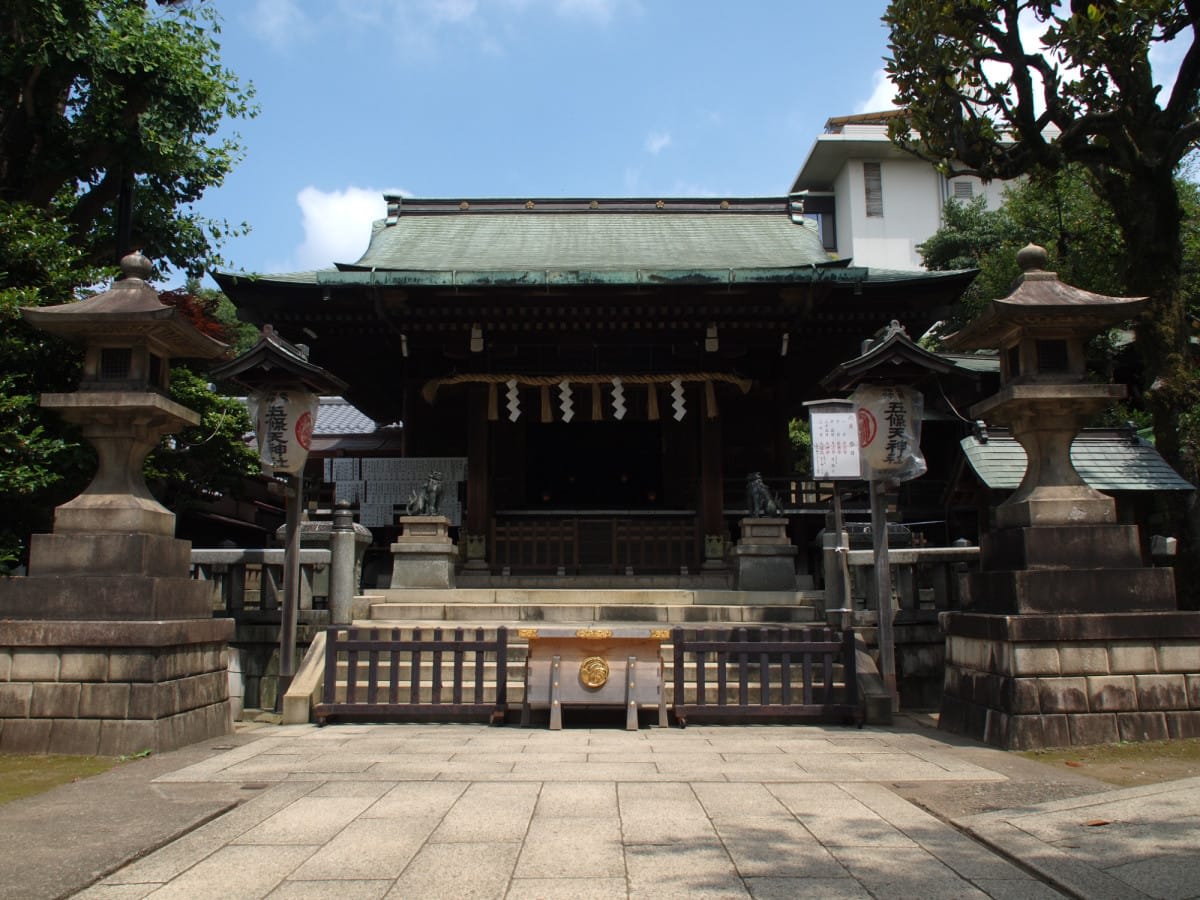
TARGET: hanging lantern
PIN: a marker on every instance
(283, 425)
(889, 432)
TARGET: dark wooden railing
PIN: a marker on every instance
(380, 694)
(595, 543)
(756, 673)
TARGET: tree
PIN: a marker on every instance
(98, 96)
(981, 98)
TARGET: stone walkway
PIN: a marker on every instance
(404, 811)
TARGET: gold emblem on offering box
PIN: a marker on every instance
(593, 672)
(660, 634)
(594, 633)
(527, 633)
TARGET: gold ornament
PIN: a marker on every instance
(593, 672)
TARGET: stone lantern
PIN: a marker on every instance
(122, 404)
(1045, 397)
(111, 647)
(1065, 636)
(1057, 545)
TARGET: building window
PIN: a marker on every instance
(963, 190)
(873, 181)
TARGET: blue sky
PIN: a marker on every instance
(487, 98)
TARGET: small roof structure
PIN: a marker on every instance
(895, 358)
(274, 359)
(1107, 459)
(129, 308)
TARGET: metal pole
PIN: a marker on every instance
(883, 591)
(291, 588)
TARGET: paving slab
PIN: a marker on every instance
(371, 811)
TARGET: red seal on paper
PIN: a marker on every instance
(304, 430)
(867, 427)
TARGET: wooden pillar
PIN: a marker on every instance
(479, 476)
(712, 519)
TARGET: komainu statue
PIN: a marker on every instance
(759, 499)
(427, 500)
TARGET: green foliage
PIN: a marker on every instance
(41, 460)
(95, 94)
(1059, 211)
(800, 437)
(982, 96)
(210, 459)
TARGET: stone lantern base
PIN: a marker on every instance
(1066, 568)
(108, 648)
(1031, 681)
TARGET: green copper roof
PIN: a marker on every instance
(1108, 460)
(534, 243)
(508, 236)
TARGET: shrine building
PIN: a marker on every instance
(594, 378)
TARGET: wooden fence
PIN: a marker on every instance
(438, 669)
(751, 675)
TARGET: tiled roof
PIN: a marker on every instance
(336, 416)
(1107, 460)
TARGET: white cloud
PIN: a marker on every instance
(883, 95)
(602, 11)
(337, 224)
(657, 141)
(279, 22)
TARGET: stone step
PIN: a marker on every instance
(515, 693)
(595, 597)
(471, 614)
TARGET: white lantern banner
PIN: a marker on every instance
(283, 426)
(889, 432)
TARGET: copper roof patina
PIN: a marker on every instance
(534, 242)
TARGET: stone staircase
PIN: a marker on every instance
(468, 607)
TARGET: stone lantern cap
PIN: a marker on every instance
(1039, 302)
(129, 310)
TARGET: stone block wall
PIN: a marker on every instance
(110, 700)
(1111, 678)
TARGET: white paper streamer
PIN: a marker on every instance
(677, 399)
(564, 401)
(514, 400)
(618, 399)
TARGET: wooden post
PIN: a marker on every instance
(883, 590)
(479, 478)
(712, 514)
(291, 588)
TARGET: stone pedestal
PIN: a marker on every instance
(1066, 568)
(764, 558)
(1031, 681)
(109, 648)
(423, 556)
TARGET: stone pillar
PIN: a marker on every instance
(341, 564)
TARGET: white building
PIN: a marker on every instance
(872, 201)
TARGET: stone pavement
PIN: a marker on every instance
(374, 811)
